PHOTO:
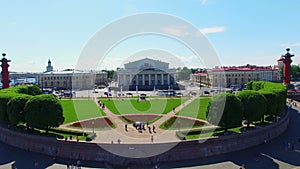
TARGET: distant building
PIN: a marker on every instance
(200, 76)
(147, 74)
(23, 78)
(49, 67)
(238, 76)
(72, 79)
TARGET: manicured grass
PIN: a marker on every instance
(57, 133)
(195, 134)
(75, 110)
(176, 123)
(150, 106)
(196, 109)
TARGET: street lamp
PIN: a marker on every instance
(93, 123)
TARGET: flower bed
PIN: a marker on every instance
(98, 123)
(141, 117)
(177, 122)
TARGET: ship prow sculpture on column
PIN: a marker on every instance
(286, 59)
(5, 74)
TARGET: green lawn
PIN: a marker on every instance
(150, 106)
(75, 110)
(196, 109)
(216, 132)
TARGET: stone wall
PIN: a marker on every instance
(184, 150)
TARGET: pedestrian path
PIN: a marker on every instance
(132, 135)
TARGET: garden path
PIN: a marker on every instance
(119, 134)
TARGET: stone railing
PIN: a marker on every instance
(183, 150)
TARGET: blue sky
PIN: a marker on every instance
(241, 32)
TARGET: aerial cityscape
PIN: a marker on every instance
(148, 84)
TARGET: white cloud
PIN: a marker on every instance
(175, 30)
(291, 45)
(203, 2)
(214, 29)
(182, 31)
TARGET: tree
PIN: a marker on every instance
(30, 90)
(184, 73)
(15, 109)
(4, 99)
(43, 111)
(272, 105)
(254, 105)
(225, 110)
(34, 90)
(295, 71)
(111, 74)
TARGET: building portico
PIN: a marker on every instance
(147, 74)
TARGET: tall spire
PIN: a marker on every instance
(49, 67)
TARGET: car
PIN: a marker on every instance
(206, 92)
(179, 94)
(107, 94)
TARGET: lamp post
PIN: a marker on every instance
(93, 123)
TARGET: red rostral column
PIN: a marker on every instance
(5, 74)
(287, 67)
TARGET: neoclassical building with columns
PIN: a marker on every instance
(147, 74)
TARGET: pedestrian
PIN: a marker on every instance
(151, 139)
(78, 163)
(36, 164)
(13, 165)
(149, 128)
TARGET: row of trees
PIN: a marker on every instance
(295, 71)
(27, 105)
(259, 100)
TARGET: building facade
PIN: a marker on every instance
(200, 77)
(72, 79)
(147, 74)
(238, 76)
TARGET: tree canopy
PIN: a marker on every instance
(225, 110)
(43, 111)
(254, 105)
(15, 109)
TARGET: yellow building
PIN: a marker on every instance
(238, 76)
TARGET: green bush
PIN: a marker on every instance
(43, 111)
(4, 99)
(225, 110)
(15, 109)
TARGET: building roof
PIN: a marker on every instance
(70, 71)
(244, 68)
(146, 63)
